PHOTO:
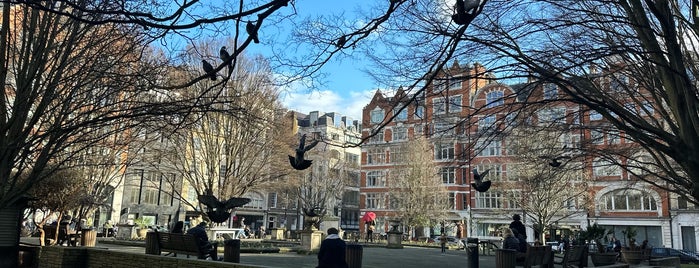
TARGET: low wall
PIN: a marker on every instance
(79, 257)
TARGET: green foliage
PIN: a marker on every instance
(142, 222)
(595, 233)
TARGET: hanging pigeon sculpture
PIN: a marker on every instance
(220, 211)
(478, 183)
(298, 162)
(209, 69)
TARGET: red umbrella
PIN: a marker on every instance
(369, 216)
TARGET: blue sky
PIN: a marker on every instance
(347, 87)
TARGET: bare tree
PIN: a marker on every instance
(321, 187)
(634, 63)
(237, 148)
(548, 185)
(416, 190)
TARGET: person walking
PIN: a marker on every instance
(443, 242)
(517, 225)
(332, 251)
(370, 233)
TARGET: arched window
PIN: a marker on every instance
(494, 98)
(628, 200)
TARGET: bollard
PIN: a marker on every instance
(472, 252)
(231, 250)
(89, 238)
(353, 256)
(152, 245)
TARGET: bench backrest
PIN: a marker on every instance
(536, 255)
(177, 241)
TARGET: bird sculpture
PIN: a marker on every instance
(219, 211)
(251, 29)
(298, 162)
(225, 57)
(313, 212)
(554, 161)
(462, 11)
(209, 69)
(478, 183)
(341, 42)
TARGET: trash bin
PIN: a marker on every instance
(28, 256)
(472, 252)
(88, 238)
(152, 245)
(231, 250)
(353, 256)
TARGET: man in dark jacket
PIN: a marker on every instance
(332, 251)
(205, 247)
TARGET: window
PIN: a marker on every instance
(494, 99)
(486, 123)
(603, 167)
(397, 155)
(401, 115)
(552, 115)
(272, 200)
(570, 140)
(439, 85)
(374, 201)
(495, 173)
(596, 136)
(377, 116)
(444, 151)
(378, 138)
(452, 200)
(647, 108)
(448, 175)
(513, 198)
(439, 106)
(628, 199)
(550, 91)
(595, 116)
(150, 196)
(489, 148)
(134, 195)
(454, 83)
(255, 200)
(375, 179)
(443, 129)
(613, 136)
(376, 156)
(464, 201)
(420, 112)
(618, 82)
(455, 104)
(489, 199)
(352, 158)
(400, 133)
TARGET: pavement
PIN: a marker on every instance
(374, 256)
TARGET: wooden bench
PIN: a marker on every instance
(180, 243)
(573, 257)
(536, 255)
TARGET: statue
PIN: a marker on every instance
(218, 211)
(298, 162)
(312, 218)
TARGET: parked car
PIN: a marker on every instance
(685, 256)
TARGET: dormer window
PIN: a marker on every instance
(377, 116)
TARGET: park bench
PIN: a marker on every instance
(180, 243)
(573, 257)
(535, 255)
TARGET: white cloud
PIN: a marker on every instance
(327, 101)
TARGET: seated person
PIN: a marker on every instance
(206, 248)
(512, 243)
(522, 242)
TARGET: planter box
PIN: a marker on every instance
(601, 259)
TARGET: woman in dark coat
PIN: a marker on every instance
(332, 251)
